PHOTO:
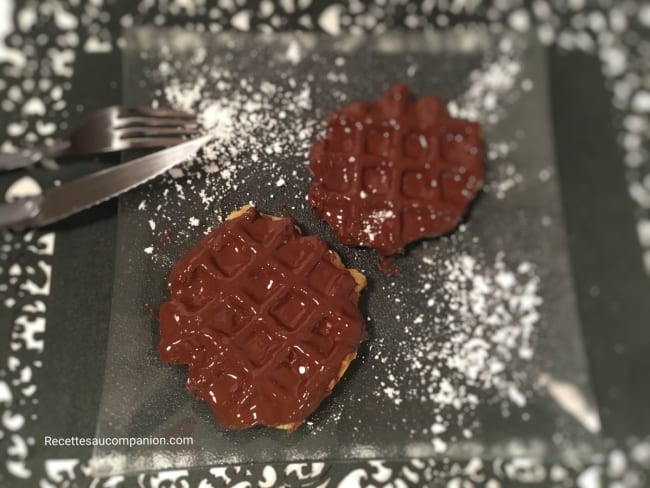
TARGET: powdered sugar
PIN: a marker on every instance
(374, 222)
(490, 85)
(252, 121)
(491, 89)
(467, 345)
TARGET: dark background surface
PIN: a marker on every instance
(604, 251)
(612, 288)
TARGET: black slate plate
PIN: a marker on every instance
(143, 397)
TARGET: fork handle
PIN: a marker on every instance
(28, 157)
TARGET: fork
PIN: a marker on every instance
(112, 129)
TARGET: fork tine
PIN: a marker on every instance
(131, 132)
(150, 142)
(154, 122)
(155, 112)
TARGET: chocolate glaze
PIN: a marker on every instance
(393, 171)
(264, 318)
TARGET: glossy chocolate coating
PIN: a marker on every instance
(393, 171)
(264, 318)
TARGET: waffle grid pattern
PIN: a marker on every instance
(284, 316)
(394, 171)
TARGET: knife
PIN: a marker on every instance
(74, 196)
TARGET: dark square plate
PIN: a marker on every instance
(474, 347)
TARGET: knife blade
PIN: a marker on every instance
(71, 197)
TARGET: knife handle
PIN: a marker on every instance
(21, 159)
(25, 158)
(19, 214)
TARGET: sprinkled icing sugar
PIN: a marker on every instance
(374, 222)
(467, 345)
(489, 86)
(242, 114)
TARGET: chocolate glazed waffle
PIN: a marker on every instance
(393, 171)
(267, 321)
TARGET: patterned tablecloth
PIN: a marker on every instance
(62, 58)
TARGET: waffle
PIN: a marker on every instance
(391, 172)
(267, 321)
